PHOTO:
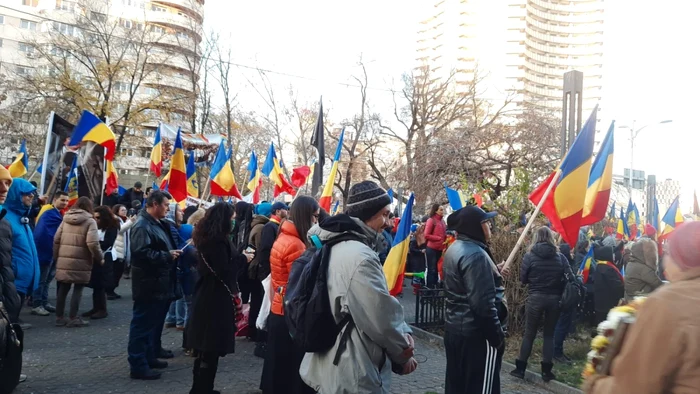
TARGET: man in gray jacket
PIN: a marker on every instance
(380, 339)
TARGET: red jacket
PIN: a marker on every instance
(287, 248)
(436, 232)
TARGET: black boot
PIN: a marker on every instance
(207, 375)
(196, 381)
(547, 374)
(519, 371)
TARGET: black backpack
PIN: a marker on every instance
(307, 307)
(574, 290)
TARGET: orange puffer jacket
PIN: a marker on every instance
(287, 248)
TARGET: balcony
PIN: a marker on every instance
(571, 6)
(195, 7)
(577, 39)
(177, 43)
(176, 21)
(568, 29)
(588, 17)
(569, 50)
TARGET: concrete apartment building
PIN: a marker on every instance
(176, 23)
(521, 48)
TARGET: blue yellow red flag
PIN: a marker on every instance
(157, 154)
(271, 169)
(395, 263)
(565, 203)
(223, 182)
(655, 215)
(585, 268)
(192, 185)
(255, 178)
(613, 212)
(600, 181)
(177, 176)
(91, 128)
(327, 195)
(20, 165)
(72, 182)
(455, 198)
(672, 219)
(111, 178)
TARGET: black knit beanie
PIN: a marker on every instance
(365, 200)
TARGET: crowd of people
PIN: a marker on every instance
(193, 270)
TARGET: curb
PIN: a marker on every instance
(532, 377)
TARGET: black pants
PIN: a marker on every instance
(433, 258)
(204, 372)
(256, 298)
(117, 272)
(473, 366)
(282, 360)
(62, 295)
(539, 307)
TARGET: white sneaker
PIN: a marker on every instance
(40, 311)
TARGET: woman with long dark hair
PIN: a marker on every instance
(435, 234)
(212, 322)
(241, 236)
(121, 248)
(542, 271)
(282, 357)
(102, 275)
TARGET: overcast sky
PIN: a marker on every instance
(650, 61)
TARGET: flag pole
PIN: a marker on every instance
(204, 193)
(511, 257)
(46, 155)
(104, 174)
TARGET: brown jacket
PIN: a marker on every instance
(640, 273)
(76, 247)
(661, 352)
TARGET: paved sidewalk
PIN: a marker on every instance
(93, 360)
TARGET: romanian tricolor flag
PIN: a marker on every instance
(613, 210)
(395, 263)
(91, 128)
(455, 198)
(271, 169)
(565, 203)
(585, 268)
(673, 218)
(622, 230)
(600, 181)
(177, 176)
(157, 154)
(222, 181)
(336, 208)
(631, 221)
(327, 195)
(192, 185)
(21, 163)
(655, 215)
(255, 178)
(111, 179)
(72, 182)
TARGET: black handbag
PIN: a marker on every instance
(11, 346)
(574, 290)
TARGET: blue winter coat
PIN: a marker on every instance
(25, 262)
(45, 230)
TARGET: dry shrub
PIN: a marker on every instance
(516, 293)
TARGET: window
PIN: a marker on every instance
(2, 19)
(157, 29)
(56, 51)
(65, 5)
(30, 3)
(121, 86)
(127, 24)
(182, 35)
(28, 25)
(64, 28)
(157, 8)
(151, 91)
(26, 48)
(0, 42)
(21, 70)
(96, 16)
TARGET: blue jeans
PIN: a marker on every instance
(433, 258)
(47, 272)
(179, 311)
(144, 334)
(565, 325)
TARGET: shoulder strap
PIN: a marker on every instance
(228, 289)
(349, 325)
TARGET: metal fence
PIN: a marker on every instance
(430, 308)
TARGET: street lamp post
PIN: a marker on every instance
(633, 136)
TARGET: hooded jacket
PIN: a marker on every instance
(76, 247)
(543, 270)
(25, 262)
(356, 285)
(45, 230)
(640, 273)
(8, 291)
(287, 248)
(609, 284)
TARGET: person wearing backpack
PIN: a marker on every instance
(376, 339)
(542, 271)
(282, 357)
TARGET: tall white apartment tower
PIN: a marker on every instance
(520, 48)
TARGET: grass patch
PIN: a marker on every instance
(576, 347)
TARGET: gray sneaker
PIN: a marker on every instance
(40, 311)
(50, 308)
(77, 322)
